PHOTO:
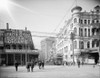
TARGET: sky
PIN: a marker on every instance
(40, 15)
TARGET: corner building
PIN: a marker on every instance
(85, 27)
(16, 45)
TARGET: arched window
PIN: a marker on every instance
(75, 20)
(88, 44)
(75, 30)
(81, 32)
(81, 44)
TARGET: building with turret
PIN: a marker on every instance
(80, 36)
(16, 45)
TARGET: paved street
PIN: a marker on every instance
(86, 71)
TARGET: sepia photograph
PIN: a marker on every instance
(49, 38)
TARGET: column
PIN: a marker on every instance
(7, 59)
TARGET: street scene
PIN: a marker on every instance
(50, 71)
(49, 38)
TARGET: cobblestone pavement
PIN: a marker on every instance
(86, 71)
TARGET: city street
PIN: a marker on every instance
(86, 71)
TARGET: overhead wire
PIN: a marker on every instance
(64, 16)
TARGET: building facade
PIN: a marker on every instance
(16, 45)
(80, 37)
(47, 49)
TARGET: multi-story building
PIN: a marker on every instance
(16, 45)
(47, 49)
(85, 42)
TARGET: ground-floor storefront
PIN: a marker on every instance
(9, 58)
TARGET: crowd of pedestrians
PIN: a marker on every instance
(30, 65)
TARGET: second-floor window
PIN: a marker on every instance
(75, 20)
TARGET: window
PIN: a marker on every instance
(88, 21)
(85, 32)
(66, 49)
(75, 30)
(14, 46)
(7, 46)
(81, 21)
(97, 21)
(85, 21)
(81, 44)
(75, 20)
(20, 46)
(81, 32)
(93, 43)
(75, 44)
(97, 43)
(92, 21)
(88, 44)
(88, 32)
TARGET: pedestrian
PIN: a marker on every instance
(95, 61)
(42, 63)
(78, 62)
(28, 66)
(39, 64)
(32, 65)
(16, 65)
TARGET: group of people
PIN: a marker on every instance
(30, 65)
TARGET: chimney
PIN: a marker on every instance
(7, 24)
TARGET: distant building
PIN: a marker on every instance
(47, 49)
(16, 45)
(85, 42)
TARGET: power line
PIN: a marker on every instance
(64, 16)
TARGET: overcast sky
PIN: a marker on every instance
(41, 15)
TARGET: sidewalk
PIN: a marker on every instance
(86, 71)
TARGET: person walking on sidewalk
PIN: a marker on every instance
(16, 65)
(42, 63)
(78, 62)
(32, 65)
